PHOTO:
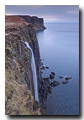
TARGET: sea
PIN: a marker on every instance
(59, 50)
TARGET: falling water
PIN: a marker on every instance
(34, 72)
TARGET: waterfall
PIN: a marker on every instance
(34, 72)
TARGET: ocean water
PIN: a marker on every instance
(59, 49)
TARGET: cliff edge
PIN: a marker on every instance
(19, 85)
(37, 22)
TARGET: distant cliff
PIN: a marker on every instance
(37, 22)
(19, 85)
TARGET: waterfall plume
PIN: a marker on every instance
(34, 72)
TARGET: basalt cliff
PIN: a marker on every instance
(37, 22)
(19, 82)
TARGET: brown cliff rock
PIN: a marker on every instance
(19, 94)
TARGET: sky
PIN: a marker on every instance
(50, 13)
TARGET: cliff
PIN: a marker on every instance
(37, 22)
(19, 85)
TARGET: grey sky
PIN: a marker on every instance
(50, 13)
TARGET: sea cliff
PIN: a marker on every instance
(19, 85)
(37, 22)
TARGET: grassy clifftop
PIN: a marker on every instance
(19, 86)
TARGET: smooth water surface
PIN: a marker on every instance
(59, 47)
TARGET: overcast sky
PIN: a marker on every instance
(50, 13)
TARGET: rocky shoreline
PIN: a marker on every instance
(46, 85)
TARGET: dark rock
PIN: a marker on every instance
(41, 63)
(40, 59)
(47, 67)
(65, 82)
(41, 72)
(55, 83)
(50, 88)
(34, 20)
(49, 91)
(60, 77)
(26, 17)
(42, 68)
(46, 78)
(42, 82)
(52, 73)
(51, 76)
(68, 78)
(51, 84)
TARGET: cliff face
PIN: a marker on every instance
(18, 76)
(37, 22)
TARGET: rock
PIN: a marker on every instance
(49, 91)
(46, 78)
(65, 82)
(51, 76)
(40, 59)
(51, 84)
(41, 63)
(50, 88)
(37, 22)
(68, 78)
(60, 77)
(43, 68)
(47, 67)
(55, 83)
(52, 73)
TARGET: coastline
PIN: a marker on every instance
(18, 66)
